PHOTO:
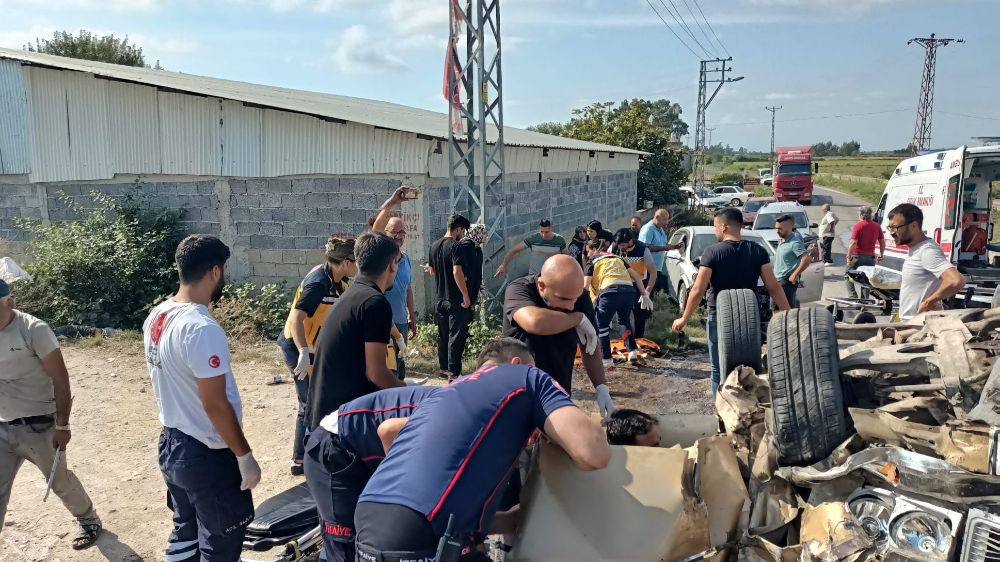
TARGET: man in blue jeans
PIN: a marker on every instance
(733, 263)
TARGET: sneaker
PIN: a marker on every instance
(296, 469)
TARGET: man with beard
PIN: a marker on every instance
(928, 277)
(354, 342)
(206, 461)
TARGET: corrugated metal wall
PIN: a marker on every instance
(15, 156)
(67, 125)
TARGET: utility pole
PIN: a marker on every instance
(710, 129)
(925, 106)
(709, 68)
(774, 111)
(476, 140)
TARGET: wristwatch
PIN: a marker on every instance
(62, 427)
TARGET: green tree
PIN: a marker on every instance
(87, 45)
(548, 128)
(640, 125)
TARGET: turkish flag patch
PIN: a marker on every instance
(214, 361)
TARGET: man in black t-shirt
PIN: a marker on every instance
(553, 314)
(733, 263)
(454, 303)
(353, 344)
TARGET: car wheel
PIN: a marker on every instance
(738, 328)
(682, 297)
(808, 411)
(864, 318)
(736, 202)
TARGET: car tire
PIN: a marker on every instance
(807, 397)
(864, 317)
(682, 297)
(738, 325)
(736, 202)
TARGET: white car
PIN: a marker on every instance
(763, 225)
(766, 176)
(682, 266)
(723, 195)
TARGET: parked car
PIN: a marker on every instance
(766, 176)
(723, 195)
(682, 266)
(763, 224)
(752, 206)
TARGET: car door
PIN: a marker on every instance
(674, 258)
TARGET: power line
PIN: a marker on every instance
(683, 25)
(969, 115)
(925, 107)
(817, 117)
(708, 39)
(717, 40)
(674, 33)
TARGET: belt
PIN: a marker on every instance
(31, 420)
(367, 554)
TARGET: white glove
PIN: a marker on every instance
(421, 381)
(604, 402)
(645, 302)
(249, 471)
(401, 348)
(587, 335)
(305, 361)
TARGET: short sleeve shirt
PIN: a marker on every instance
(463, 442)
(339, 375)
(554, 353)
(652, 235)
(443, 258)
(397, 294)
(734, 265)
(357, 421)
(470, 257)
(826, 225)
(866, 234)
(25, 388)
(922, 271)
(184, 343)
(542, 249)
(788, 255)
(315, 296)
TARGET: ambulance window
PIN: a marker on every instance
(880, 210)
(951, 203)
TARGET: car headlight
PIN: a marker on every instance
(922, 534)
(916, 529)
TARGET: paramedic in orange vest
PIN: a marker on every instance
(313, 300)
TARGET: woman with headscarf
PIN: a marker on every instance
(470, 247)
(313, 300)
(578, 243)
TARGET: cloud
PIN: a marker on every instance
(776, 96)
(357, 53)
(96, 5)
(156, 45)
(418, 17)
(855, 6)
(322, 6)
(18, 39)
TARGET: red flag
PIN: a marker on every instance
(453, 68)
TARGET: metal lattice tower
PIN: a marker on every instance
(475, 158)
(925, 106)
(774, 111)
(708, 67)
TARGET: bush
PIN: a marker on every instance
(103, 269)
(479, 333)
(248, 312)
(684, 216)
(729, 178)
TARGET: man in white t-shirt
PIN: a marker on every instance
(827, 231)
(929, 278)
(205, 458)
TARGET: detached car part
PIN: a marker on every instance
(905, 525)
(982, 537)
(807, 398)
(738, 329)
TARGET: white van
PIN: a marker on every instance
(953, 189)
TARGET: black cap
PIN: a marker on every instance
(4, 288)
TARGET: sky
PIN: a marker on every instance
(840, 69)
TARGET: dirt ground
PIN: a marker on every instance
(115, 430)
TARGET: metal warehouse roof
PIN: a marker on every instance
(357, 110)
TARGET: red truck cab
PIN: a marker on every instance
(793, 174)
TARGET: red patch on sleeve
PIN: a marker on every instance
(214, 361)
(156, 330)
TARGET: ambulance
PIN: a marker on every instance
(954, 189)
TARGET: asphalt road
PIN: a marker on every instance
(846, 208)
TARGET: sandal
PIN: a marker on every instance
(87, 535)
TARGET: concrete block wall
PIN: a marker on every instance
(277, 227)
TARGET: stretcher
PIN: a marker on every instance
(289, 519)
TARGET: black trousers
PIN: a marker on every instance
(453, 330)
(827, 244)
(394, 533)
(791, 293)
(336, 478)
